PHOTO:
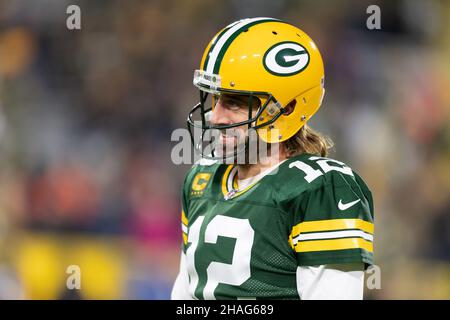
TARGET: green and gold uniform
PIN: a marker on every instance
(248, 244)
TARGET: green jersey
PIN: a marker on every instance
(249, 243)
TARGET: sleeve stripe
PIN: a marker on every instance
(183, 218)
(184, 227)
(332, 225)
(335, 244)
(333, 235)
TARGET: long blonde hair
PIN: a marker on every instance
(307, 140)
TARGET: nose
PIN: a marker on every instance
(220, 114)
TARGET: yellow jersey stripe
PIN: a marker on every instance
(330, 225)
(225, 180)
(183, 218)
(291, 243)
(185, 238)
(335, 244)
(245, 190)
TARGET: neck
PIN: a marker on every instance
(250, 170)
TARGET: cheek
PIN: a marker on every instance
(242, 115)
(242, 132)
(234, 117)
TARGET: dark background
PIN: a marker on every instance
(86, 117)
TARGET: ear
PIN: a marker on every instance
(290, 107)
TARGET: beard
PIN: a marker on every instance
(236, 146)
(231, 146)
(241, 147)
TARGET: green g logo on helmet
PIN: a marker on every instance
(286, 59)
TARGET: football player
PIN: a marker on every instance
(293, 224)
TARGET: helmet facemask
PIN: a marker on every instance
(243, 148)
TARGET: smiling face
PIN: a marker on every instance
(230, 109)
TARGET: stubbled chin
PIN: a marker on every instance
(225, 145)
(230, 141)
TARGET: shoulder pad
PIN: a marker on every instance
(205, 162)
(306, 172)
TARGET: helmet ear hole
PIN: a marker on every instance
(290, 107)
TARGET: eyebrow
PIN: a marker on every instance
(242, 99)
(239, 98)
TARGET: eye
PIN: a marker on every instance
(236, 105)
(232, 104)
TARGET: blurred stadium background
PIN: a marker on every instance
(86, 117)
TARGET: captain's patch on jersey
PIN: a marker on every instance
(199, 184)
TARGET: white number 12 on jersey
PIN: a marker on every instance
(325, 164)
(217, 272)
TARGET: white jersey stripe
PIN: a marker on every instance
(333, 235)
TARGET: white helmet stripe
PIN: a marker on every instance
(223, 39)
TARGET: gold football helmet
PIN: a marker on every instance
(268, 59)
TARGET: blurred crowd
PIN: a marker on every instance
(86, 118)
